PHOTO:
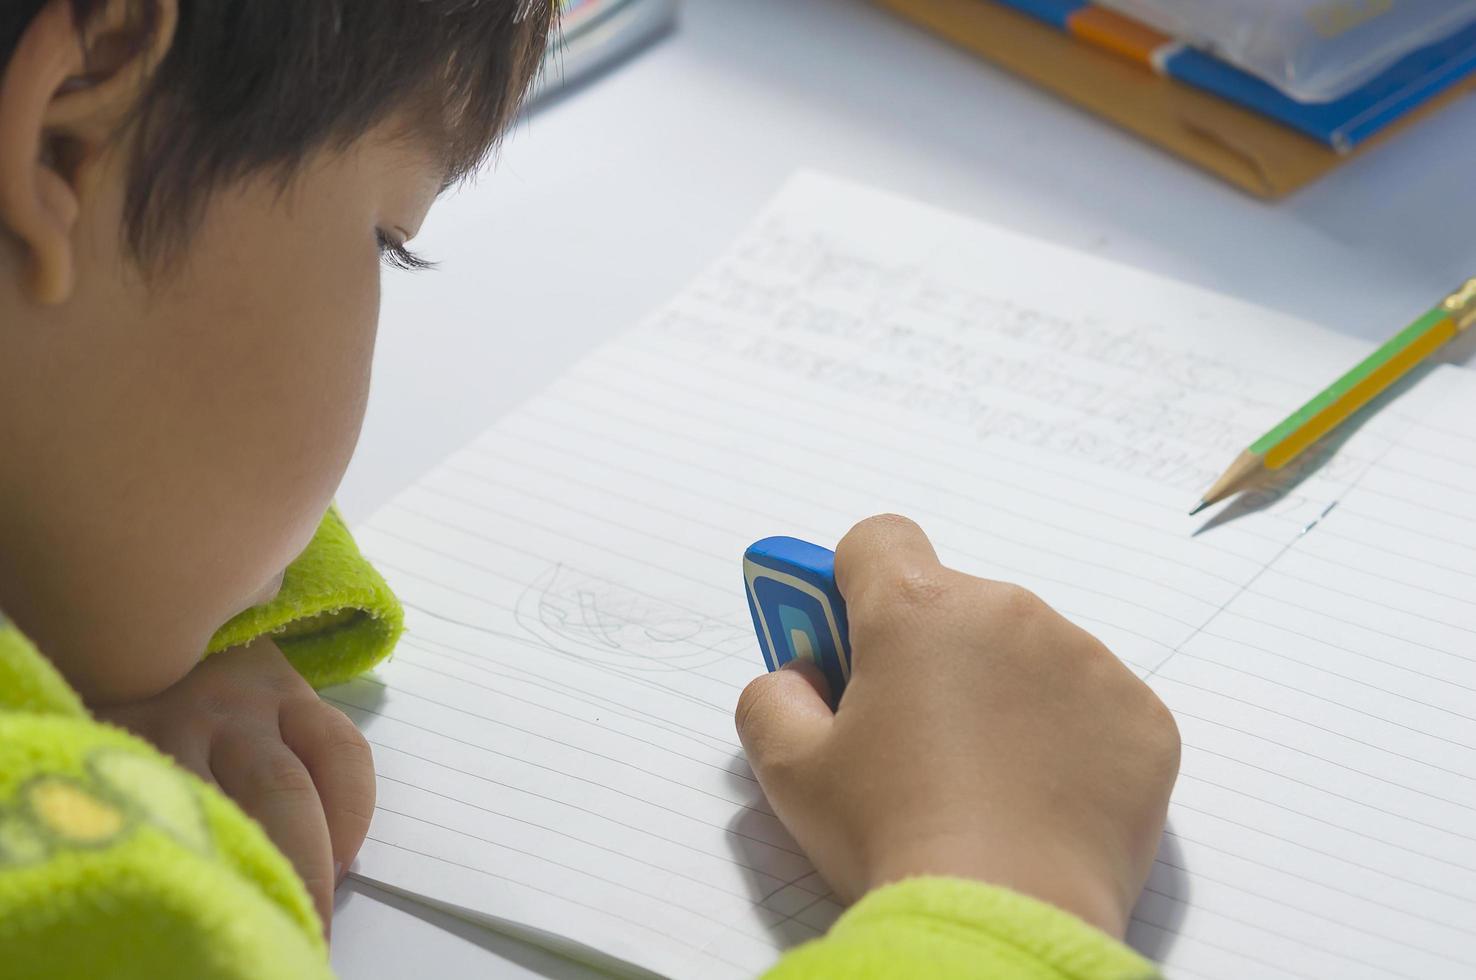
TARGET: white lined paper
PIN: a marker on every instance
(554, 739)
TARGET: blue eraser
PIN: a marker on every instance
(798, 613)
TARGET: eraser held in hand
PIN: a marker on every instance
(798, 612)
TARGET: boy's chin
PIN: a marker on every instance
(267, 593)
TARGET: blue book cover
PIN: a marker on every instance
(1342, 123)
(1053, 12)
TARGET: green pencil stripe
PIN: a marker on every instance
(1343, 385)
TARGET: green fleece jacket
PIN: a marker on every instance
(114, 862)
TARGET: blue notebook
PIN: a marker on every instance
(1342, 123)
(1346, 122)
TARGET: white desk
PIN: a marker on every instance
(607, 201)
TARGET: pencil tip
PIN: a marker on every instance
(1202, 505)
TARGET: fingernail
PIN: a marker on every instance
(337, 873)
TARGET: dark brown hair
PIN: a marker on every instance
(249, 85)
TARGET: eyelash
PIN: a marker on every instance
(396, 255)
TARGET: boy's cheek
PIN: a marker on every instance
(284, 400)
(207, 425)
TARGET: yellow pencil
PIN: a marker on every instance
(1348, 394)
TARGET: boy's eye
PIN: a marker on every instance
(394, 253)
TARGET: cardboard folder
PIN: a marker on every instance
(1250, 151)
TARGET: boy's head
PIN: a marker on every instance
(194, 195)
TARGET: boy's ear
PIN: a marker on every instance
(65, 95)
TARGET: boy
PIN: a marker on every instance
(194, 199)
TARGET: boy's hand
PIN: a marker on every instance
(246, 721)
(981, 735)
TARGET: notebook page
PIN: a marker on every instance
(1322, 822)
(554, 737)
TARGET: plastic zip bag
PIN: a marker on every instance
(1313, 50)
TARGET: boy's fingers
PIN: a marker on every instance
(269, 782)
(882, 555)
(342, 767)
(782, 719)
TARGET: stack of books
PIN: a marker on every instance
(593, 34)
(1190, 102)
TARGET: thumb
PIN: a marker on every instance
(783, 719)
(882, 554)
